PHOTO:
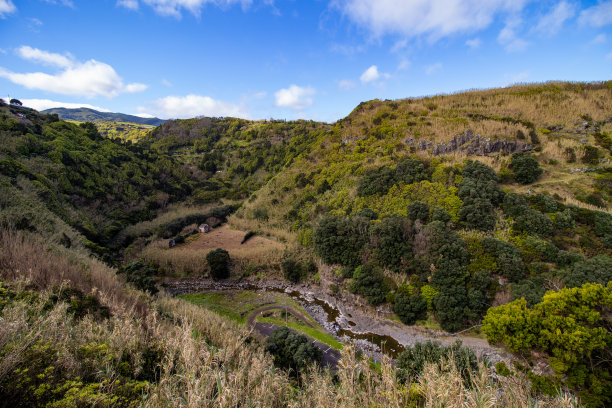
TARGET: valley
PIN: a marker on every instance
(224, 261)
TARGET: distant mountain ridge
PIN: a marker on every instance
(91, 115)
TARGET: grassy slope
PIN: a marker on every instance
(375, 134)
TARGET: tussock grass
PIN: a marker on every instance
(204, 360)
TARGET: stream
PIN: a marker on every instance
(342, 317)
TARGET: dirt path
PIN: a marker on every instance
(230, 240)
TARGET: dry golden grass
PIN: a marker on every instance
(206, 360)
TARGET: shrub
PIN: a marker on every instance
(526, 168)
(410, 308)
(514, 205)
(412, 361)
(570, 155)
(410, 171)
(440, 214)
(391, 246)
(369, 282)
(218, 261)
(248, 236)
(292, 270)
(480, 194)
(532, 290)
(376, 182)
(543, 202)
(591, 155)
(564, 220)
(292, 351)
(340, 239)
(418, 211)
(141, 276)
(532, 221)
(367, 213)
(595, 270)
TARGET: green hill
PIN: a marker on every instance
(486, 211)
(91, 115)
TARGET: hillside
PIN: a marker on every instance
(483, 213)
(91, 115)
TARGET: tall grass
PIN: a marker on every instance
(205, 360)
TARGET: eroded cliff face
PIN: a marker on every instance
(470, 144)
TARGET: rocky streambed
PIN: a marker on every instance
(344, 317)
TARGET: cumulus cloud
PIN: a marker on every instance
(509, 39)
(175, 7)
(190, 106)
(474, 43)
(597, 16)
(551, 23)
(44, 57)
(600, 39)
(434, 18)
(294, 97)
(42, 104)
(128, 4)
(371, 74)
(6, 7)
(90, 78)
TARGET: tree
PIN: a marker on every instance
(369, 282)
(292, 351)
(573, 327)
(141, 276)
(480, 194)
(218, 261)
(526, 168)
(418, 210)
(291, 269)
(340, 239)
(410, 308)
(391, 243)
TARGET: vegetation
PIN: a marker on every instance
(219, 263)
(291, 350)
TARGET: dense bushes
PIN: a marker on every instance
(141, 276)
(369, 282)
(480, 194)
(340, 239)
(292, 351)
(391, 242)
(380, 181)
(526, 168)
(573, 327)
(218, 261)
(412, 361)
(410, 308)
(292, 270)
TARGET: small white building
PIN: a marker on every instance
(205, 228)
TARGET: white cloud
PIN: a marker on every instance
(90, 78)
(175, 7)
(434, 18)
(600, 39)
(190, 106)
(128, 4)
(165, 82)
(508, 38)
(44, 57)
(609, 56)
(67, 3)
(42, 104)
(597, 16)
(474, 43)
(551, 23)
(403, 65)
(6, 7)
(370, 74)
(294, 97)
(346, 84)
(432, 69)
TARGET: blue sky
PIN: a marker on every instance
(312, 59)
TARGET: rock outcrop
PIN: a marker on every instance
(470, 144)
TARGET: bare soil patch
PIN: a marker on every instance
(229, 239)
